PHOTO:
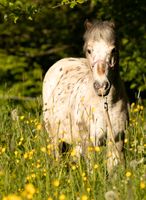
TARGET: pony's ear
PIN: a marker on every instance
(87, 24)
(112, 24)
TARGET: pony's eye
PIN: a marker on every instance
(88, 51)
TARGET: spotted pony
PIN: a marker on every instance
(74, 90)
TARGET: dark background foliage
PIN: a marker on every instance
(35, 34)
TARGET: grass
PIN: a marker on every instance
(28, 169)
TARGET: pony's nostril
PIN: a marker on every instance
(106, 85)
(96, 85)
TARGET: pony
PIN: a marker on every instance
(76, 90)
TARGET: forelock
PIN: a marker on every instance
(101, 30)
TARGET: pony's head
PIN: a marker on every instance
(101, 51)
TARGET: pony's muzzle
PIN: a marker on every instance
(102, 89)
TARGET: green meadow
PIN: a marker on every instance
(29, 170)
(33, 36)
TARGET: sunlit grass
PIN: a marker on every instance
(28, 169)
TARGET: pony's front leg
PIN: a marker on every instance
(115, 155)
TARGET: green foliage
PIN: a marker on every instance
(35, 34)
(72, 3)
(15, 9)
(15, 70)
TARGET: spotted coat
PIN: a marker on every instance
(74, 90)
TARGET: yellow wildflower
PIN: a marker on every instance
(83, 174)
(132, 105)
(29, 191)
(39, 127)
(49, 146)
(33, 175)
(135, 110)
(20, 142)
(30, 188)
(16, 153)
(126, 140)
(73, 152)
(73, 167)
(142, 185)
(62, 197)
(49, 149)
(49, 198)
(88, 189)
(90, 149)
(38, 165)
(44, 172)
(17, 161)
(56, 183)
(84, 197)
(96, 166)
(28, 178)
(97, 149)
(12, 197)
(22, 117)
(43, 149)
(128, 174)
(28, 155)
(141, 108)
(2, 150)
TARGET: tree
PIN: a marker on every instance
(34, 34)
